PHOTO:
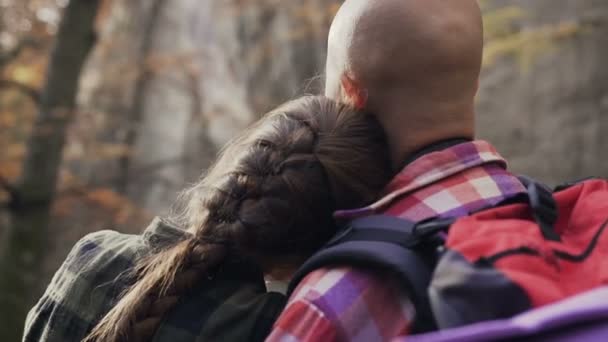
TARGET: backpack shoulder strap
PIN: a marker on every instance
(399, 246)
(543, 206)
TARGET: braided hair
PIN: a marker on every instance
(269, 197)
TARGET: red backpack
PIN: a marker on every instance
(495, 263)
(509, 259)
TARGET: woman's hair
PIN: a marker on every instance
(269, 197)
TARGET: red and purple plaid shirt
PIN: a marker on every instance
(348, 304)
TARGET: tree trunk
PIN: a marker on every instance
(26, 240)
(143, 78)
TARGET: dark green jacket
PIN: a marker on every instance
(234, 306)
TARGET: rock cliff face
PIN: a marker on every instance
(174, 81)
(211, 67)
(545, 103)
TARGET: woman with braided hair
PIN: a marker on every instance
(261, 210)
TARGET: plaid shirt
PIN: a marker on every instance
(345, 303)
(233, 307)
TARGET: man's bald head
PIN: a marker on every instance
(414, 63)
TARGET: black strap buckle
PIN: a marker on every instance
(544, 208)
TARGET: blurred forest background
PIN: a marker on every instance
(108, 108)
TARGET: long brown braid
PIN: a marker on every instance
(269, 197)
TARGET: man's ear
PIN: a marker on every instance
(354, 93)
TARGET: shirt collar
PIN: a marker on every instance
(429, 169)
(434, 147)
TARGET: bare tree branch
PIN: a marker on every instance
(12, 54)
(24, 88)
(145, 170)
(12, 192)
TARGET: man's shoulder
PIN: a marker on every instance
(356, 281)
(320, 281)
(330, 300)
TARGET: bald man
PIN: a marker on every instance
(414, 64)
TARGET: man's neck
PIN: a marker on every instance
(411, 131)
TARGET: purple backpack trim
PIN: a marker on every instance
(579, 318)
